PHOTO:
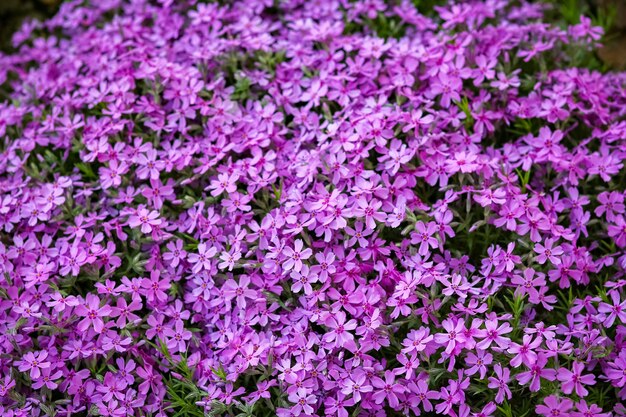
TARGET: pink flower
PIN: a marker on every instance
(417, 340)
(223, 183)
(454, 336)
(387, 389)
(585, 410)
(493, 333)
(574, 380)
(325, 266)
(202, 259)
(356, 385)
(337, 407)
(177, 337)
(73, 260)
(155, 288)
(547, 252)
(229, 259)
(457, 286)
(303, 401)
(369, 210)
(341, 328)
(35, 362)
(93, 313)
(295, 256)
(47, 379)
(615, 310)
(524, 353)
(479, 362)
(424, 236)
(555, 407)
(501, 382)
(303, 280)
(176, 253)
(421, 393)
(146, 219)
(239, 291)
(537, 371)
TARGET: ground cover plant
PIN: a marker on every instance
(294, 208)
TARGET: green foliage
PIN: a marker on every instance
(183, 395)
(242, 89)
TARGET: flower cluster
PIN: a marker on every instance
(293, 208)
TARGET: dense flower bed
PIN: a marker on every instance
(294, 208)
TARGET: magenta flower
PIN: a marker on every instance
(611, 205)
(387, 389)
(73, 260)
(176, 337)
(92, 313)
(554, 407)
(478, 362)
(454, 336)
(239, 291)
(417, 340)
(457, 286)
(229, 259)
(524, 352)
(343, 208)
(422, 395)
(59, 303)
(369, 210)
(494, 334)
(537, 371)
(548, 252)
(295, 256)
(303, 401)
(34, 362)
(424, 236)
(124, 312)
(584, 410)
(615, 310)
(176, 253)
(340, 329)
(501, 383)
(202, 259)
(325, 266)
(155, 288)
(224, 183)
(47, 379)
(303, 280)
(574, 380)
(337, 406)
(146, 219)
(356, 385)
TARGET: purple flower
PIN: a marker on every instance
(548, 252)
(295, 256)
(537, 371)
(574, 380)
(454, 336)
(92, 313)
(35, 363)
(501, 383)
(146, 219)
(554, 407)
(176, 253)
(176, 337)
(340, 329)
(615, 310)
(387, 389)
(493, 334)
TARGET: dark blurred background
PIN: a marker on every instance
(614, 51)
(611, 14)
(13, 12)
